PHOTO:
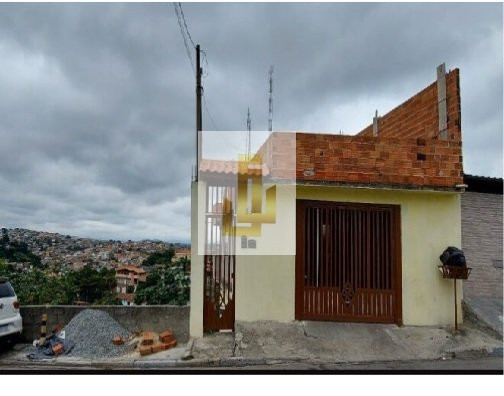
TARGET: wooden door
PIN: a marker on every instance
(348, 262)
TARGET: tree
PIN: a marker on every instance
(92, 285)
(4, 241)
(18, 252)
(165, 284)
(160, 258)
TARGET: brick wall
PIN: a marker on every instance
(381, 160)
(482, 243)
(418, 116)
(406, 152)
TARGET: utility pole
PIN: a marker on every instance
(270, 112)
(199, 120)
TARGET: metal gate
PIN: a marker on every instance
(219, 275)
(348, 262)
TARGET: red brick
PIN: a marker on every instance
(145, 350)
(170, 344)
(157, 347)
(57, 349)
(148, 338)
(166, 336)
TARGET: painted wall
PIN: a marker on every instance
(265, 288)
(196, 297)
(430, 221)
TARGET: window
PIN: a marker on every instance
(6, 290)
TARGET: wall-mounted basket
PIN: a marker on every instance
(452, 272)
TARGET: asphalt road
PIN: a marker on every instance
(470, 365)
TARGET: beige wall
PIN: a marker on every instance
(196, 299)
(265, 288)
(430, 221)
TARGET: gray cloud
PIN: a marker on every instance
(97, 100)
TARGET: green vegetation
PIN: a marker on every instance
(35, 286)
(167, 283)
(168, 280)
(160, 258)
(17, 251)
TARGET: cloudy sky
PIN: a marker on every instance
(97, 100)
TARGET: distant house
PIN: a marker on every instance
(183, 253)
(354, 236)
(128, 278)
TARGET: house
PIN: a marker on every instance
(334, 227)
(128, 277)
(183, 253)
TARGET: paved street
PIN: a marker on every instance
(487, 363)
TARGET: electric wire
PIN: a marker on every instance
(181, 26)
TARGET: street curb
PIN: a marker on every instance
(235, 361)
(230, 362)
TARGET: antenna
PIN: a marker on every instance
(249, 128)
(270, 117)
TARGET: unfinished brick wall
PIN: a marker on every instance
(407, 150)
(419, 115)
(380, 160)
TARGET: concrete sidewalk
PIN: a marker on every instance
(263, 342)
(273, 343)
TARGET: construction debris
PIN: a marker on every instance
(91, 331)
(89, 335)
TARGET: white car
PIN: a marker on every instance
(11, 323)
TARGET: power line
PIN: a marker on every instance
(183, 33)
(217, 130)
(208, 112)
(185, 24)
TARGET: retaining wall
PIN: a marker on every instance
(133, 318)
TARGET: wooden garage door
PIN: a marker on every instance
(348, 262)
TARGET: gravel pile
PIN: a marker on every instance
(92, 331)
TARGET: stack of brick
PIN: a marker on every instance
(149, 344)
